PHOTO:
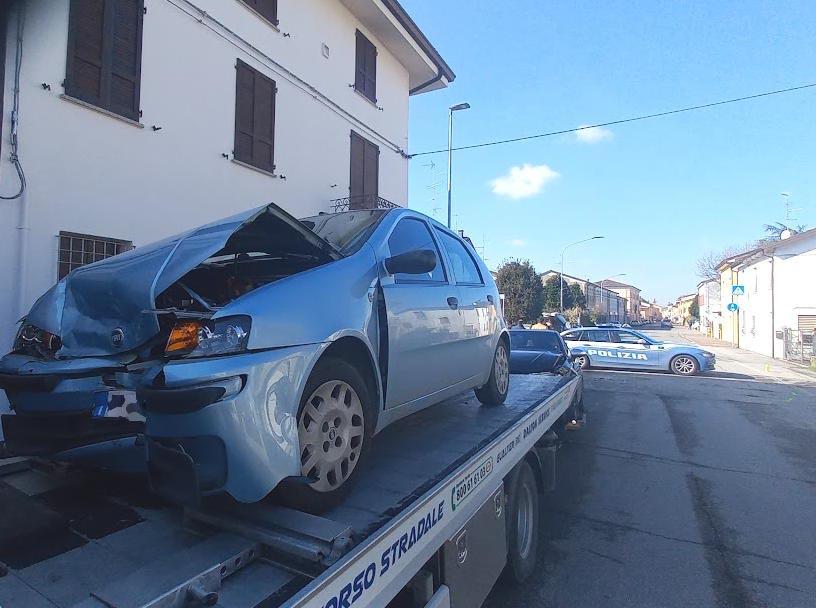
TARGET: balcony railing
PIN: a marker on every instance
(365, 201)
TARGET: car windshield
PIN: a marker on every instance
(347, 230)
(535, 340)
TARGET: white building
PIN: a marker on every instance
(780, 295)
(708, 299)
(140, 119)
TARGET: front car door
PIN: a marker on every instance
(479, 312)
(425, 325)
(634, 350)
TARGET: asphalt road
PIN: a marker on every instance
(681, 492)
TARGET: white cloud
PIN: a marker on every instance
(518, 242)
(592, 135)
(523, 182)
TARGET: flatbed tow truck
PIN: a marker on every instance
(441, 508)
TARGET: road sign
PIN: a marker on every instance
(733, 307)
(738, 290)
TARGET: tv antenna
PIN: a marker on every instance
(790, 210)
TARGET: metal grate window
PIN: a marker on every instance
(76, 250)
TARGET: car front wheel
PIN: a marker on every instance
(333, 435)
(495, 391)
(582, 361)
(684, 365)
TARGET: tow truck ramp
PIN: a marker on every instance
(433, 481)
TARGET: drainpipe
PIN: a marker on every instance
(433, 80)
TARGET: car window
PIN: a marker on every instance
(574, 335)
(536, 340)
(596, 335)
(625, 337)
(411, 234)
(346, 230)
(462, 265)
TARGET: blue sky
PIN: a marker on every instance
(663, 191)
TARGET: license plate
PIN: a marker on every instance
(117, 404)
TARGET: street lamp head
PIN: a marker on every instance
(460, 106)
(597, 237)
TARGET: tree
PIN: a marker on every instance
(708, 263)
(694, 310)
(522, 289)
(775, 230)
(552, 295)
(578, 297)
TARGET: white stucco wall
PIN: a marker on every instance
(755, 318)
(795, 277)
(91, 173)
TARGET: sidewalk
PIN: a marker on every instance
(729, 356)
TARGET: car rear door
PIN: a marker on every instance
(425, 326)
(479, 312)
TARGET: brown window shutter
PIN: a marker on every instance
(86, 25)
(268, 9)
(365, 68)
(254, 118)
(105, 54)
(357, 177)
(364, 173)
(126, 56)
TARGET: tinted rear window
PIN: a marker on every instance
(535, 340)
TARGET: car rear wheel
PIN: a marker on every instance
(495, 391)
(582, 361)
(333, 435)
(684, 365)
(522, 517)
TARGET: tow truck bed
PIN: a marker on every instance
(70, 538)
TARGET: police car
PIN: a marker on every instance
(630, 349)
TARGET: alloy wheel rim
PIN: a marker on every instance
(330, 430)
(684, 365)
(502, 369)
(524, 521)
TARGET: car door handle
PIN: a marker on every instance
(453, 302)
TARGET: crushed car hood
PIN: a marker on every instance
(117, 296)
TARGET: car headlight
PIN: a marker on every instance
(33, 340)
(205, 338)
(707, 354)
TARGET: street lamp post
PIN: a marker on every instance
(561, 276)
(608, 299)
(451, 110)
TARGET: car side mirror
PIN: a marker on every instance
(643, 342)
(418, 261)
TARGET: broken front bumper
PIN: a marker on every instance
(226, 424)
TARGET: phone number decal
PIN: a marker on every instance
(465, 486)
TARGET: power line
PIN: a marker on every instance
(621, 121)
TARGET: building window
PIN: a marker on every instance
(268, 9)
(365, 169)
(105, 54)
(76, 250)
(365, 73)
(254, 118)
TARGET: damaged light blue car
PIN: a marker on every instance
(257, 352)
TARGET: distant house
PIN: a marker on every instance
(708, 299)
(607, 304)
(777, 312)
(728, 278)
(630, 293)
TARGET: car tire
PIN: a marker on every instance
(684, 365)
(498, 385)
(335, 425)
(582, 361)
(522, 521)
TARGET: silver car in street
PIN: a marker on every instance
(257, 352)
